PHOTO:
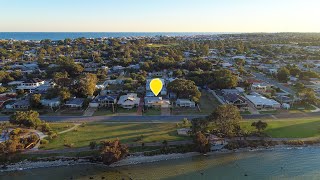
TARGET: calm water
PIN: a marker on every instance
(271, 164)
(73, 35)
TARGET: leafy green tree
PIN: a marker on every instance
(308, 96)
(26, 118)
(259, 125)
(87, 85)
(226, 119)
(199, 125)
(113, 151)
(224, 79)
(202, 143)
(185, 89)
(35, 101)
(3, 89)
(64, 94)
(283, 74)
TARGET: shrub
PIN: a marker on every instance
(44, 141)
(93, 144)
(69, 145)
(52, 135)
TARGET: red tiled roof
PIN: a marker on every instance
(4, 98)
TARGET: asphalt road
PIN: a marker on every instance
(160, 119)
(274, 82)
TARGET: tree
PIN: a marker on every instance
(3, 89)
(185, 89)
(308, 96)
(202, 143)
(283, 74)
(224, 79)
(20, 92)
(199, 125)
(177, 73)
(226, 119)
(93, 144)
(259, 125)
(27, 118)
(64, 94)
(87, 84)
(299, 86)
(113, 151)
(35, 101)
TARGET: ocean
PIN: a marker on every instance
(287, 163)
(73, 35)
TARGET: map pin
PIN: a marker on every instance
(156, 86)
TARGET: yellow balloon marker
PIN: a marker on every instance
(156, 86)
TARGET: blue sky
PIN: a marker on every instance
(160, 15)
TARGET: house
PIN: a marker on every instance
(4, 99)
(75, 103)
(284, 99)
(103, 101)
(129, 101)
(230, 91)
(30, 85)
(261, 102)
(19, 104)
(163, 91)
(55, 102)
(152, 101)
(156, 74)
(236, 100)
(156, 102)
(273, 71)
(226, 65)
(185, 103)
(117, 68)
(14, 83)
(259, 87)
(172, 95)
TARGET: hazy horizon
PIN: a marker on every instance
(230, 16)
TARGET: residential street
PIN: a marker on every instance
(274, 82)
(161, 119)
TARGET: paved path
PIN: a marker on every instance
(316, 110)
(70, 129)
(42, 136)
(90, 111)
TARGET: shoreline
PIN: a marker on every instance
(136, 159)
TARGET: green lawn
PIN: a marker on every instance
(296, 128)
(122, 110)
(269, 112)
(207, 104)
(57, 127)
(103, 112)
(152, 112)
(127, 133)
(245, 112)
(301, 108)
